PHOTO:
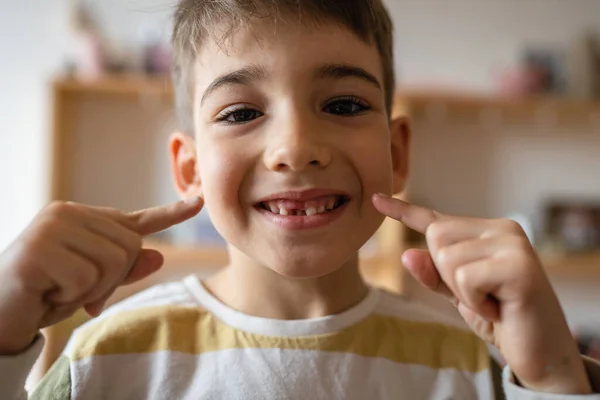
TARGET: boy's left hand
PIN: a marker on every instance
(490, 271)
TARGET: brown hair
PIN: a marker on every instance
(195, 21)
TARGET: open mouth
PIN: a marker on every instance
(322, 205)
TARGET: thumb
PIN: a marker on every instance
(420, 265)
(148, 262)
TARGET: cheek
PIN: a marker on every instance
(373, 162)
(221, 175)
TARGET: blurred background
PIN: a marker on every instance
(504, 97)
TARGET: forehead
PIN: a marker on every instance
(285, 49)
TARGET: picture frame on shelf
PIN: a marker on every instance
(573, 225)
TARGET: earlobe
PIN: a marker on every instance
(182, 149)
(400, 133)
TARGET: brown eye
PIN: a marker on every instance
(346, 107)
(239, 116)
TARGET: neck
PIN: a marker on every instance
(257, 290)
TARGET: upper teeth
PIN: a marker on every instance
(309, 208)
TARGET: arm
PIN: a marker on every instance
(514, 391)
(71, 256)
(14, 370)
(491, 273)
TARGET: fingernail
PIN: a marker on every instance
(192, 201)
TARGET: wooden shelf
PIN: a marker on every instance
(118, 85)
(419, 104)
(495, 109)
(581, 266)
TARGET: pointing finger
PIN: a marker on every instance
(153, 220)
(415, 217)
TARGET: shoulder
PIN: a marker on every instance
(395, 305)
(428, 337)
(149, 321)
(172, 293)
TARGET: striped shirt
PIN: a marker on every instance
(177, 341)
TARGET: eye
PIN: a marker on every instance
(346, 106)
(238, 115)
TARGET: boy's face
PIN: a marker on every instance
(292, 140)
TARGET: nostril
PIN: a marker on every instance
(314, 162)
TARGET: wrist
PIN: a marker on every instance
(568, 378)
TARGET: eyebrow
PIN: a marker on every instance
(344, 71)
(243, 76)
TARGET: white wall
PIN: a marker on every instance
(467, 42)
(32, 39)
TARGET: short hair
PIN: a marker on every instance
(194, 22)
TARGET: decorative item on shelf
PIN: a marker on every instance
(156, 50)
(87, 59)
(540, 71)
(584, 67)
(574, 225)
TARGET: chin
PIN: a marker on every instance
(309, 266)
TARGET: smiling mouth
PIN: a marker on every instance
(322, 205)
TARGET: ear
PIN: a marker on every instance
(182, 149)
(400, 144)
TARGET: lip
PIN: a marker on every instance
(303, 195)
(297, 222)
(304, 222)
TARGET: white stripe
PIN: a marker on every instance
(264, 374)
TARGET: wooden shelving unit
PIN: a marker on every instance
(419, 105)
(491, 109)
(578, 266)
(125, 85)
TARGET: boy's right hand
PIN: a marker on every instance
(74, 256)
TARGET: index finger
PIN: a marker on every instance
(415, 217)
(151, 220)
(156, 219)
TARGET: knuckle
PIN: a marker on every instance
(117, 257)
(60, 208)
(521, 247)
(86, 278)
(510, 226)
(132, 243)
(435, 234)
(444, 257)
(461, 277)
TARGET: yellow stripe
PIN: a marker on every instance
(195, 331)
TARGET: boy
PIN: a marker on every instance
(289, 106)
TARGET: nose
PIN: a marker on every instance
(296, 145)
